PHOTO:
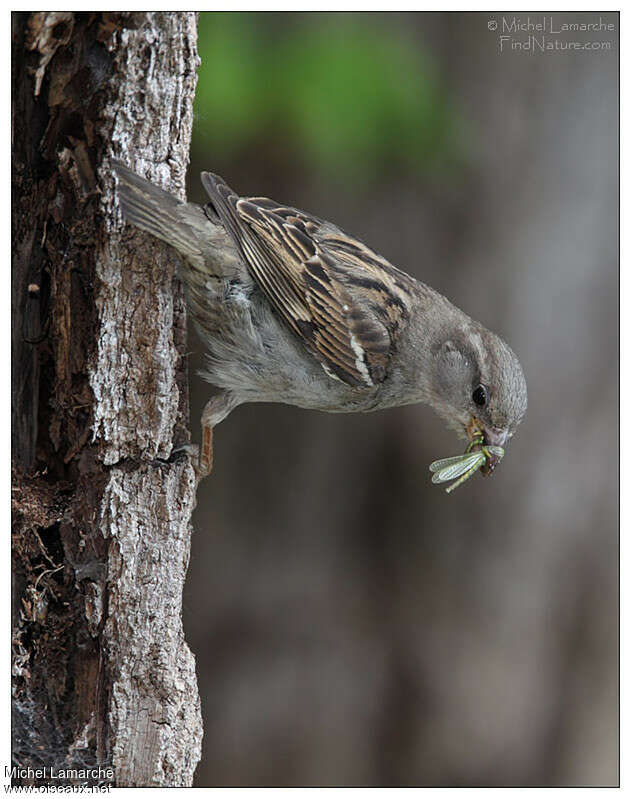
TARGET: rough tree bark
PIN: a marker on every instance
(102, 673)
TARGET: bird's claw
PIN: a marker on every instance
(202, 461)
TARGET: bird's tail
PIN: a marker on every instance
(157, 212)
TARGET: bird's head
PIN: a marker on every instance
(478, 386)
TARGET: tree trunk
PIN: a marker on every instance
(103, 681)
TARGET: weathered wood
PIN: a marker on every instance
(102, 674)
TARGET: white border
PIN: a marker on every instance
(625, 382)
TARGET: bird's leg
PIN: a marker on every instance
(215, 411)
(206, 454)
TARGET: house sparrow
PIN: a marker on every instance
(292, 309)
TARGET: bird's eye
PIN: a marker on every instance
(479, 395)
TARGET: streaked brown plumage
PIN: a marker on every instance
(343, 300)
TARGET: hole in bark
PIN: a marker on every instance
(73, 126)
(60, 30)
(51, 540)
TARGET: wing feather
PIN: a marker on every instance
(345, 302)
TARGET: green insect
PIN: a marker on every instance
(462, 467)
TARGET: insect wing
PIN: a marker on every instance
(451, 468)
(436, 466)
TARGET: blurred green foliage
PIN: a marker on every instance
(343, 93)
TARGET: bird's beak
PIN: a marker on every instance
(493, 437)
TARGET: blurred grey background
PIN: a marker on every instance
(354, 625)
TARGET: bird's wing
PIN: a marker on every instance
(345, 303)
